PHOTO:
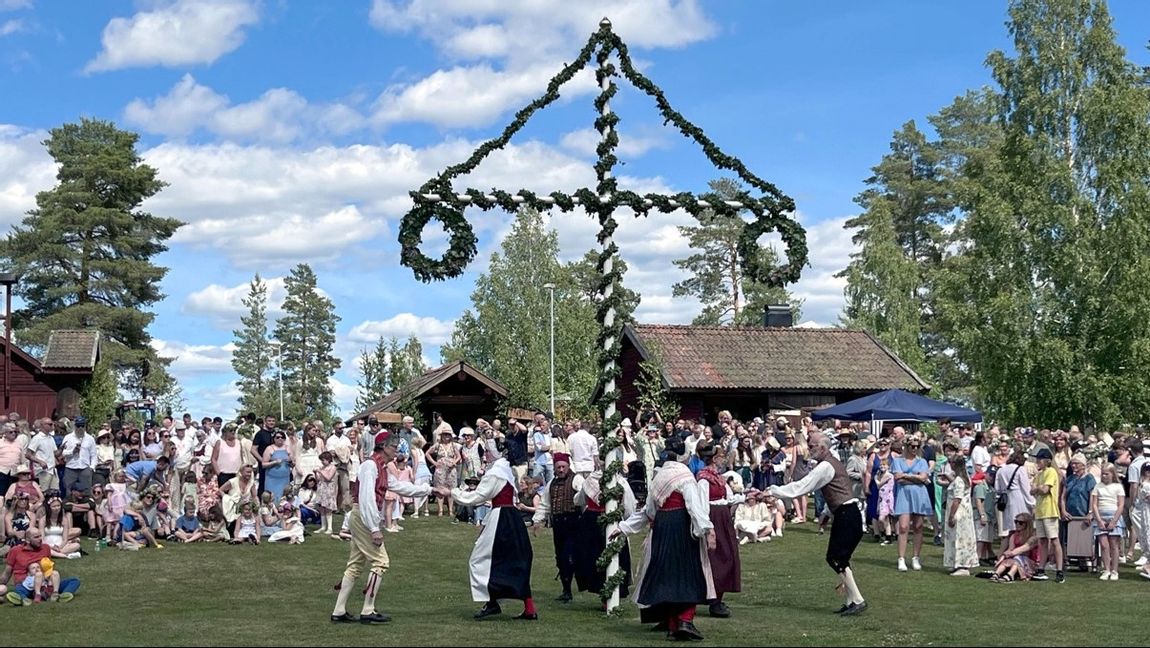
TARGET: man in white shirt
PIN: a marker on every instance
(692, 442)
(340, 448)
(79, 450)
(185, 441)
(584, 451)
(41, 455)
(366, 537)
(541, 445)
(1134, 480)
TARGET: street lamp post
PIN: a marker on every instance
(279, 347)
(7, 279)
(550, 287)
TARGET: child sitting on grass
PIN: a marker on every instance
(188, 525)
(248, 526)
(134, 530)
(216, 526)
(42, 583)
(292, 527)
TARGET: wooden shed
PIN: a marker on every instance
(51, 387)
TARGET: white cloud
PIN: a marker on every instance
(181, 33)
(468, 96)
(288, 237)
(585, 140)
(527, 30)
(225, 303)
(215, 400)
(12, 26)
(830, 248)
(279, 115)
(530, 39)
(191, 359)
(345, 395)
(25, 168)
(429, 330)
(13, 5)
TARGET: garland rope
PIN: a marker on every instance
(437, 200)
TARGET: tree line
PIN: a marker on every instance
(1001, 255)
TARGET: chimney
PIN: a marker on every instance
(778, 316)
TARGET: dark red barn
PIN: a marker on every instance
(50, 387)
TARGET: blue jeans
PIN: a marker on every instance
(546, 471)
(481, 512)
(820, 503)
(69, 585)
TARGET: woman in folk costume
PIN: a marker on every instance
(726, 570)
(675, 574)
(592, 538)
(500, 563)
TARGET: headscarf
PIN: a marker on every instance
(672, 476)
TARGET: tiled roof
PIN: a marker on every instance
(724, 357)
(72, 349)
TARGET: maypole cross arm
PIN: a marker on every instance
(438, 200)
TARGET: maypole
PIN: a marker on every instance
(437, 199)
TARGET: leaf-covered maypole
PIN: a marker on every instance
(437, 199)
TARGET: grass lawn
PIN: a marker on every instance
(282, 595)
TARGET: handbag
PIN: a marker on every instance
(1000, 502)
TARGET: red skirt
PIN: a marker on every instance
(726, 570)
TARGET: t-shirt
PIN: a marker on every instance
(137, 470)
(188, 523)
(1078, 491)
(1108, 495)
(1134, 472)
(20, 556)
(1046, 506)
(517, 449)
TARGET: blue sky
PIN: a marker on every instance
(291, 132)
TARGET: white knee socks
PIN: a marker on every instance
(345, 587)
(853, 593)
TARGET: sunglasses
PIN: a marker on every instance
(1022, 521)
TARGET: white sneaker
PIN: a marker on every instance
(1105, 576)
(778, 533)
(1144, 574)
(960, 572)
(74, 555)
(744, 540)
(415, 516)
(915, 564)
(1113, 576)
(1141, 561)
(1122, 559)
(392, 529)
(902, 564)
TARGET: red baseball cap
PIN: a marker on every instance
(381, 437)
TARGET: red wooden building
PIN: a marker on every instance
(50, 387)
(752, 371)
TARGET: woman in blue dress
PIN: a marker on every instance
(911, 499)
(277, 466)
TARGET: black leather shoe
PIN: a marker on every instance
(343, 618)
(534, 616)
(374, 617)
(688, 630)
(719, 610)
(487, 611)
(660, 627)
(844, 608)
(855, 608)
(565, 597)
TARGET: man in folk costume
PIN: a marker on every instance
(726, 570)
(500, 563)
(592, 537)
(558, 502)
(831, 477)
(366, 536)
(675, 574)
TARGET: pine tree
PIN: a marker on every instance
(716, 273)
(506, 332)
(900, 240)
(307, 332)
(85, 254)
(373, 374)
(254, 356)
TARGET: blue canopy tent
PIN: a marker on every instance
(897, 405)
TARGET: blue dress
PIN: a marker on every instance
(911, 498)
(278, 476)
